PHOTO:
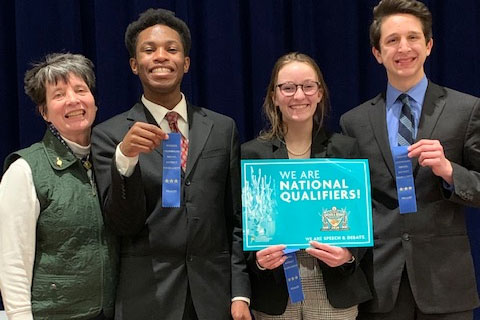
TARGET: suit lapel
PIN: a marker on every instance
(319, 146)
(432, 108)
(200, 127)
(137, 113)
(378, 123)
(433, 105)
(279, 150)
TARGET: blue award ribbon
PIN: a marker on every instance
(171, 171)
(407, 200)
(292, 275)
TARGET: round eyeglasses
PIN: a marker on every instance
(309, 88)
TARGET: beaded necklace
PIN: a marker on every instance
(85, 160)
(298, 154)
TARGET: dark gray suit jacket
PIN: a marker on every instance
(432, 242)
(346, 285)
(164, 250)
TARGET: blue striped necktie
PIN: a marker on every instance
(405, 123)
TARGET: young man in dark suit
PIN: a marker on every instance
(177, 262)
(422, 265)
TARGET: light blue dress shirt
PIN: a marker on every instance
(394, 108)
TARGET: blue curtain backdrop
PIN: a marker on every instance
(235, 44)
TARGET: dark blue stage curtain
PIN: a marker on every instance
(235, 44)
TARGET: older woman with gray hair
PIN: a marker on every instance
(57, 260)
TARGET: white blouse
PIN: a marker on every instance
(19, 211)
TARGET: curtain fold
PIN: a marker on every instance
(234, 46)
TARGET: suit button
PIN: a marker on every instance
(53, 286)
(190, 259)
(406, 236)
(187, 182)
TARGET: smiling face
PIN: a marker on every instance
(298, 108)
(160, 63)
(403, 50)
(70, 107)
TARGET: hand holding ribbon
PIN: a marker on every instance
(142, 138)
(430, 154)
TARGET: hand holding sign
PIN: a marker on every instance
(271, 257)
(333, 256)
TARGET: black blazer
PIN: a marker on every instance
(346, 285)
(433, 242)
(165, 250)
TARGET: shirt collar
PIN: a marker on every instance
(79, 150)
(158, 111)
(417, 92)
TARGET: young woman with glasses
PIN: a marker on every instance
(333, 283)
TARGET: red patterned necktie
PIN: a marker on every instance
(172, 117)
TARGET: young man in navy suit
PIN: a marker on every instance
(180, 261)
(422, 264)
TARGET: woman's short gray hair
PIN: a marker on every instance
(53, 68)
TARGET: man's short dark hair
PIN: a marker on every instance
(153, 17)
(387, 8)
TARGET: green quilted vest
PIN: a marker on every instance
(75, 257)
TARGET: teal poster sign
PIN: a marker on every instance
(295, 201)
